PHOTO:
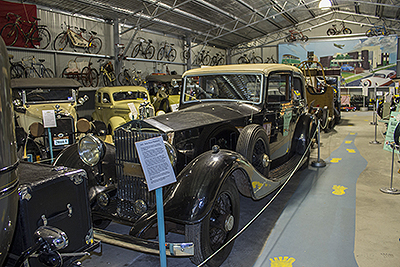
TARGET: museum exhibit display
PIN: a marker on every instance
(199, 133)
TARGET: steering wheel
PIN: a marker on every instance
(280, 88)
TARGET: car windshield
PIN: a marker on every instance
(222, 87)
(380, 75)
(46, 95)
(129, 95)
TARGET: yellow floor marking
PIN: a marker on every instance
(352, 133)
(339, 190)
(336, 160)
(282, 261)
(366, 120)
(348, 142)
(351, 150)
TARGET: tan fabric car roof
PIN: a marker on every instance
(242, 68)
(53, 83)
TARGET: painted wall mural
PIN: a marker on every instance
(365, 61)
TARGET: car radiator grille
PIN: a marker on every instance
(130, 188)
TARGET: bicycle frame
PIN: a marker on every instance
(33, 26)
(77, 39)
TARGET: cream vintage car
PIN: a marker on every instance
(117, 105)
(164, 92)
(32, 96)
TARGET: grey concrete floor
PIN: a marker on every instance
(377, 223)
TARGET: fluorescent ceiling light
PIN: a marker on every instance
(325, 4)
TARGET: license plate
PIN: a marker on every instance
(61, 142)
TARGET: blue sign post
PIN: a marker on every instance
(158, 172)
(161, 227)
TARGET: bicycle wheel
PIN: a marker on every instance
(213, 61)
(124, 78)
(40, 38)
(347, 31)
(206, 59)
(60, 42)
(160, 53)
(172, 55)
(31, 73)
(48, 73)
(136, 50)
(90, 77)
(16, 71)
(94, 45)
(331, 31)
(257, 59)
(243, 60)
(149, 52)
(221, 61)
(185, 54)
(106, 80)
(9, 33)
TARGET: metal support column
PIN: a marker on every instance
(189, 60)
(117, 62)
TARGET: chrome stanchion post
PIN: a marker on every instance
(391, 190)
(375, 118)
(374, 111)
(320, 162)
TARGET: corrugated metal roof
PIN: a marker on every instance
(225, 23)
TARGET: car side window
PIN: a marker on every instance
(106, 98)
(98, 98)
(279, 85)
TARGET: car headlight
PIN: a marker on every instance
(171, 151)
(91, 150)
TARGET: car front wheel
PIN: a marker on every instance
(219, 226)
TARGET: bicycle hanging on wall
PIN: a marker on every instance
(91, 45)
(108, 73)
(36, 69)
(37, 35)
(336, 31)
(244, 59)
(167, 51)
(145, 48)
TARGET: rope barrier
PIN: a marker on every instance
(264, 208)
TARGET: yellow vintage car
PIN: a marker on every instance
(117, 105)
(33, 96)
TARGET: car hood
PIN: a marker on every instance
(202, 114)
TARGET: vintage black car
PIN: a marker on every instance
(240, 129)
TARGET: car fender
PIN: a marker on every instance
(303, 133)
(193, 195)
(115, 122)
(191, 198)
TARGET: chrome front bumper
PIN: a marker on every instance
(143, 245)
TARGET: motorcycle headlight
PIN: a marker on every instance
(171, 153)
(91, 150)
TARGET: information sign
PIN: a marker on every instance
(155, 163)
